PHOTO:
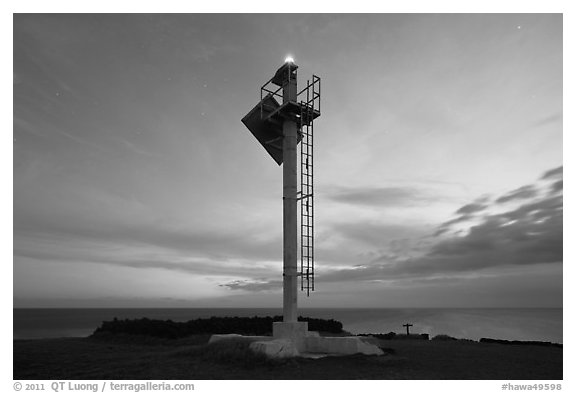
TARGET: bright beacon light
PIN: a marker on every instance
(289, 59)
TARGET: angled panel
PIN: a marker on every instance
(267, 132)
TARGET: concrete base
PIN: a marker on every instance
(280, 348)
(293, 339)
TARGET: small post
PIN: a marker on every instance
(407, 328)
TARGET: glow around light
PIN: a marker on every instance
(289, 59)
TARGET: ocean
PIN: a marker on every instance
(539, 324)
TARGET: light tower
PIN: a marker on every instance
(279, 128)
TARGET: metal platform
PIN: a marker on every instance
(301, 113)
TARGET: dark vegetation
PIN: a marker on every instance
(256, 326)
(444, 337)
(516, 342)
(395, 336)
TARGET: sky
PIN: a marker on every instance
(439, 166)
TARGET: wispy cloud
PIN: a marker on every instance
(254, 285)
(445, 226)
(378, 236)
(138, 258)
(555, 173)
(132, 147)
(46, 131)
(557, 186)
(552, 119)
(97, 220)
(210, 244)
(524, 192)
(471, 208)
(378, 196)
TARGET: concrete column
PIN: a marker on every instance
(290, 222)
(290, 131)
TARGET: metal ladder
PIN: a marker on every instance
(307, 191)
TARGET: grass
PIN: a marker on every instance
(191, 358)
(229, 352)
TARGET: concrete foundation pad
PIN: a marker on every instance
(294, 339)
(280, 348)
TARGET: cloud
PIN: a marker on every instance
(463, 218)
(466, 214)
(216, 245)
(395, 241)
(557, 186)
(445, 226)
(524, 192)
(471, 208)
(254, 285)
(378, 196)
(552, 119)
(375, 234)
(528, 234)
(83, 224)
(553, 173)
(478, 205)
